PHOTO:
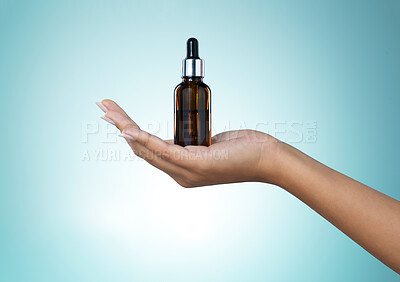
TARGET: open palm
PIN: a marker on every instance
(234, 156)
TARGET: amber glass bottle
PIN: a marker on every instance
(192, 102)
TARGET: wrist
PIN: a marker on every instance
(278, 163)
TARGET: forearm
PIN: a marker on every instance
(369, 217)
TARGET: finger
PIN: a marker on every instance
(123, 122)
(110, 105)
(117, 116)
(171, 169)
(120, 120)
(229, 135)
(170, 152)
(180, 156)
(107, 120)
(101, 106)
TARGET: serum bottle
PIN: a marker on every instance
(192, 101)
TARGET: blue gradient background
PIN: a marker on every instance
(66, 219)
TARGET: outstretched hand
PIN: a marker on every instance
(234, 156)
(369, 217)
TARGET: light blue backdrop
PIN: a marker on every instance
(67, 215)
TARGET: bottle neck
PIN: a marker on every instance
(192, 79)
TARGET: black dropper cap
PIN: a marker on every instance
(192, 65)
(192, 49)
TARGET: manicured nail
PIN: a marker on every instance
(131, 132)
(127, 137)
(108, 120)
(101, 106)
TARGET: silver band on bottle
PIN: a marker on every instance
(192, 67)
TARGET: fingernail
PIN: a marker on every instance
(108, 120)
(101, 106)
(126, 137)
(131, 132)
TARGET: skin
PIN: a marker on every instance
(370, 218)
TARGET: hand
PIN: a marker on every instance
(234, 156)
(369, 217)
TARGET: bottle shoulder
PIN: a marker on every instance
(185, 85)
(205, 86)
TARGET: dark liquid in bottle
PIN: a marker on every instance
(192, 113)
